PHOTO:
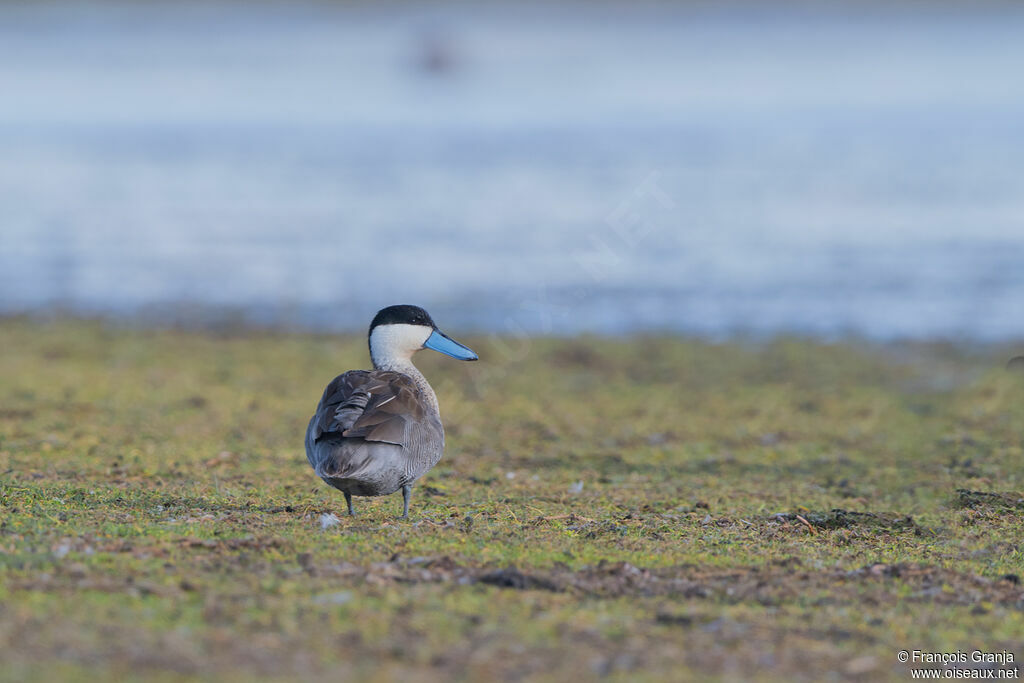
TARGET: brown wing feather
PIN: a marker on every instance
(374, 405)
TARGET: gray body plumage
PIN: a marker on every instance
(374, 432)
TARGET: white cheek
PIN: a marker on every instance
(392, 340)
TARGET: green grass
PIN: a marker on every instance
(158, 519)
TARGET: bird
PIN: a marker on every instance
(377, 431)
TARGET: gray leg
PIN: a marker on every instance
(348, 499)
(406, 493)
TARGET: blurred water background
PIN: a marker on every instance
(605, 167)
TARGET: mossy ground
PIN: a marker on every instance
(668, 506)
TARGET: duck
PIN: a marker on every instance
(378, 431)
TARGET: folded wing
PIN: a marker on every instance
(374, 405)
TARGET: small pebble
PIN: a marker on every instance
(339, 598)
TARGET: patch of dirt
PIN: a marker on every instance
(772, 584)
(1010, 500)
(245, 542)
(513, 578)
(846, 519)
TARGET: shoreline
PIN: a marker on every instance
(240, 323)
